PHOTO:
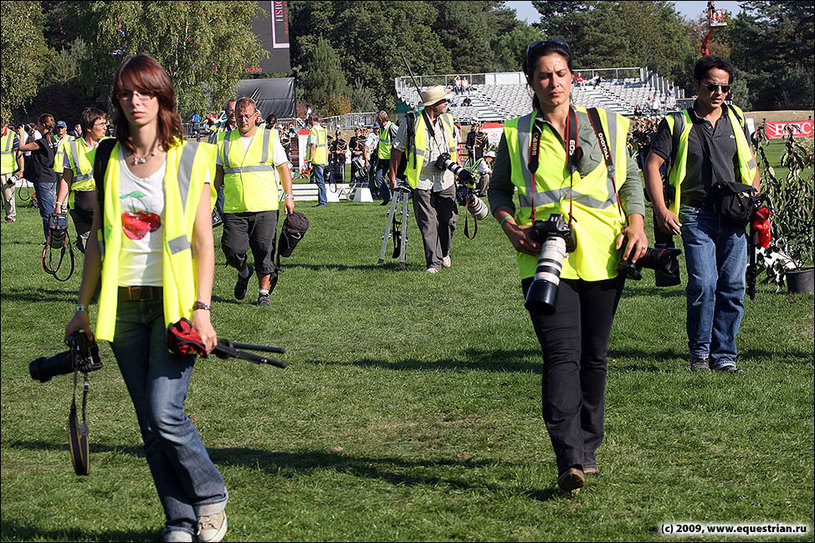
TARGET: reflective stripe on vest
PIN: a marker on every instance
(187, 167)
(597, 221)
(250, 180)
(82, 166)
(679, 169)
(385, 142)
(7, 162)
(420, 145)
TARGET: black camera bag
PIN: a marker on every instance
(294, 228)
(736, 203)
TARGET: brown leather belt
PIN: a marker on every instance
(139, 294)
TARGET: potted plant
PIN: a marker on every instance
(792, 200)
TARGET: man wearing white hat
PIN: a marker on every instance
(423, 137)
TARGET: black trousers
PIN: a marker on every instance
(574, 341)
(250, 230)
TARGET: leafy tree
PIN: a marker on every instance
(205, 46)
(23, 53)
(610, 34)
(776, 38)
(325, 82)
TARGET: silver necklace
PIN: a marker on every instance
(144, 158)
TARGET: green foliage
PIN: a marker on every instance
(608, 34)
(324, 83)
(362, 98)
(410, 409)
(435, 37)
(66, 66)
(776, 40)
(204, 46)
(793, 202)
(23, 53)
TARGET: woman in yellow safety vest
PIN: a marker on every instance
(560, 159)
(156, 259)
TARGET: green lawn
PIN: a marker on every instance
(410, 410)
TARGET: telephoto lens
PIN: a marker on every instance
(478, 208)
(542, 293)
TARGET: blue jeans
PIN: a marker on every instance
(318, 176)
(46, 197)
(383, 179)
(716, 257)
(188, 483)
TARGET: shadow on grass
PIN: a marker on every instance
(33, 295)
(392, 470)
(24, 531)
(500, 360)
(392, 266)
(678, 360)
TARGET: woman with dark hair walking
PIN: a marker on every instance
(156, 268)
(554, 159)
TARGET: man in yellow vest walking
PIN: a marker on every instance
(434, 190)
(318, 157)
(11, 167)
(76, 168)
(248, 164)
(708, 146)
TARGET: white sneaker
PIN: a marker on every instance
(212, 527)
(177, 536)
(432, 270)
(446, 262)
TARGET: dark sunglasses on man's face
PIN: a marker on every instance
(713, 86)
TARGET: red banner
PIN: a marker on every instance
(799, 128)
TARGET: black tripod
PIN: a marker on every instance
(397, 228)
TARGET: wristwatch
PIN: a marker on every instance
(201, 305)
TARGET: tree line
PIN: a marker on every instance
(346, 54)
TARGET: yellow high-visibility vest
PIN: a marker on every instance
(187, 166)
(679, 169)
(385, 145)
(250, 176)
(317, 137)
(597, 221)
(8, 160)
(419, 147)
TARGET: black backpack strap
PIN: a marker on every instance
(100, 166)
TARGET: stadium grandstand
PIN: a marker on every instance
(495, 97)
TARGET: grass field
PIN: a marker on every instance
(410, 409)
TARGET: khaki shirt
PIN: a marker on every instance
(430, 178)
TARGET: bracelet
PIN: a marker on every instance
(287, 196)
(505, 220)
(80, 307)
(201, 305)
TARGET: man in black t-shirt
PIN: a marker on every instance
(708, 146)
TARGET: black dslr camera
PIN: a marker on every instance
(444, 162)
(57, 229)
(662, 260)
(82, 355)
(558, 240)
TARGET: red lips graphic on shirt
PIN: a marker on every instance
(136, 224)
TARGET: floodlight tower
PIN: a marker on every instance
(715, 19)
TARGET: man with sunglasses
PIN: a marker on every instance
(707, 145)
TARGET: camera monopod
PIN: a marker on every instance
(413, 77)
(183, 339)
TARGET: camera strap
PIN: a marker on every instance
(49, 267)
(572, 152)
(594, 118)
(78, 433)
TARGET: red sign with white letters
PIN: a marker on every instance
(799, 128)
